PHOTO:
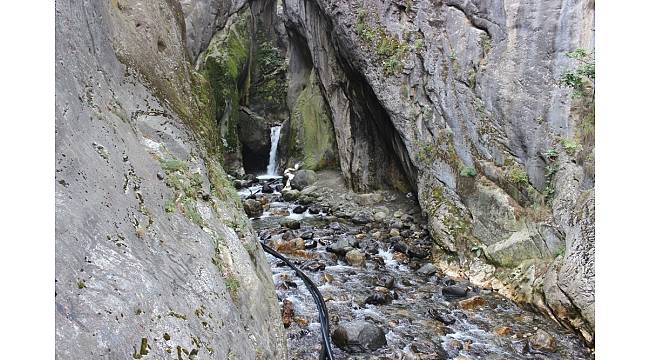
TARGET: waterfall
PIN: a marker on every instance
(275, 139)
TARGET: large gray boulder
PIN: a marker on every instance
(303, 178)
(359, 336)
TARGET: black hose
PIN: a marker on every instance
(320, 304)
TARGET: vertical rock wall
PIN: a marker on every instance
(154, 255)
(461, 100)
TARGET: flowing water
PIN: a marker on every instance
(409, 319)
(271, 169)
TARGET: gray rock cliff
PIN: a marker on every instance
(154, 254)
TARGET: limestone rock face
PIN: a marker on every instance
(458, 102)
(143, 247)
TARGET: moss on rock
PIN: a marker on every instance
(312, 138)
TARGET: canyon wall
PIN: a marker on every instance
(460, 102)
(154, 254)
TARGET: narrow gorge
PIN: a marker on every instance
(428, 164)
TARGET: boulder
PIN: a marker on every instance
(289, 223)
(359, 336)
(290, 195)
(427, 269)
(253, 208)
(543, 341)
(267, 189)
(355, 258)
(303, 178)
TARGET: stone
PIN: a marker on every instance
(307, 235)
(394, 232)
(340, 247)
(543, 341)
(427, 269)
(358, 336)
(267, 189)
(160, 176)
(455, 291)
(303, 178)
(369, 199)
(355, 257)
(299, 209)
(290, 194)
(287, 313)
(472, 303)
(361, 217)
(503, 330)
(379, 216)
(379, 298)
(289, 223)
(442, 315)
(253, 208)
(386, 281)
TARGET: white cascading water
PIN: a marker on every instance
(275, 139)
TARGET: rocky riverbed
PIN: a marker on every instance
(369, 254)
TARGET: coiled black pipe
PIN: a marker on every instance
(326, 350)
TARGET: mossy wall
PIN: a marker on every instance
(226, 66)
(311, 138)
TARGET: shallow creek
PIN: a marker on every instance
(417, 320)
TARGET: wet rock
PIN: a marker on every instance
(359, 336)
(340, 247)
(472, 303)
(290, 223)
(379, 298)
(303, 178)
(327, 277)
(386, 281)
(267, 189)
(307, 235)
(337, 227)
(253, 208)
(442, 315)
(299, 209)
(287, 312)
(503, 330)
(401, 247)
(279, 211)
(279, 187)
(290, 195)
(543, 341)
(455, 291)
(287, 246)
(313, 265)
(314, 210)
(355, 258)
(427, 269)
(418, 252)
(311, 244)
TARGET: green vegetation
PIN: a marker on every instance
(551, 153)
(581, 79)
(186, 188)
(232, 284)
(390, 49)
(517, 175)
(570, 146)
(81, 284)
(468, 171)
(486, 43)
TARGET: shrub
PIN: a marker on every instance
(468, 171)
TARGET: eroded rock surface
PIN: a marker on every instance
(154, 255)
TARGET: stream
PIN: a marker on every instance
(391, 289)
